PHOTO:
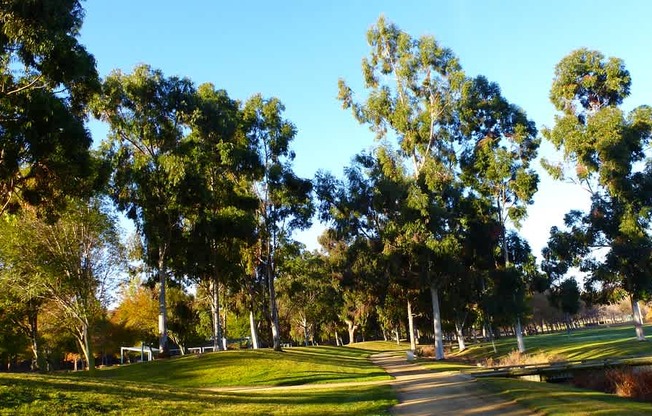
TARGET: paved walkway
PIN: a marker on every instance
(423, 392)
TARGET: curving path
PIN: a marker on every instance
(424, 392)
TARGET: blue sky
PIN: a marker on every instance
(297, 50)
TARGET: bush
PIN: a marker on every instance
(631, 383)
(624, 382)
(516, 358)
(425, 351)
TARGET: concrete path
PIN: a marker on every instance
(424, 392)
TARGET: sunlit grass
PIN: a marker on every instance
(30, 394)
(263, 367)
(584, 344)
(380, 346)
(179, 386)
(562, 399)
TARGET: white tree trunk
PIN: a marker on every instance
(351, 328)
(304, 325)
(254, 332)
(162, 309)
(459, 331)
(638, 319)
(413, 344)
(215, 312)
(436, 322)
(85, 345)
(273, 309)
(519, 335)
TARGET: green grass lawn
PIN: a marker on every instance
(179, 386)
(371, 347)
(563, 400)
(182, 385)
(32, 394)
(559, 399)
(590, 343)
(264, 367)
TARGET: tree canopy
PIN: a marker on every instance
(47, 79)
(604, 153)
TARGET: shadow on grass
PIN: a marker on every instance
(62, 394)
(299, 365)
(588, 343)
(548, 398)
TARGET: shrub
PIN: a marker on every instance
(515, 358)
(425, 351)
(631, 383)
(625, 382)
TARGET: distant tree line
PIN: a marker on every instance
(422, 229)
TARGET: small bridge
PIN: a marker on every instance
(560, 371)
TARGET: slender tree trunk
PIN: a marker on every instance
(413, 344)
(459, 332)
(215, 314)
(33, 336)
(223, 335)
(351, 328)
(638, 319)
(86, 347)
(436, 322)
(162, 309)
(304, 325)
(519, 335)
(254, 332)
(517, 328)
(273, 309)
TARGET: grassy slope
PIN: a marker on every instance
(560, 399)
(593, 343)
(254, 368)
(370, 347)
(563, 400)
(31, 394)
(170, 386)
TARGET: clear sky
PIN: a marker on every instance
(297, 50)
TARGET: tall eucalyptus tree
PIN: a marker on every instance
(285, 200)
(148, 116)
(414, 85)
(219, 205)
(500, 143)
(604, 152)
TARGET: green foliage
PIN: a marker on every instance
(285, 200)
(567, 297)
(47, 80)
(71, 263)
(306, 290)
(413, 85)
(149, 116)
(183, 318)
(605, 148)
